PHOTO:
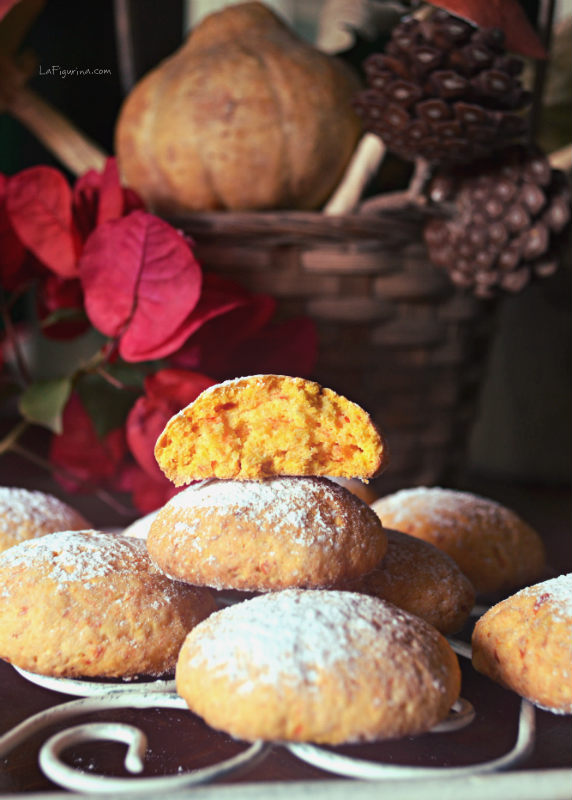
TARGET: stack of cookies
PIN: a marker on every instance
(264, 517)
(329, 665)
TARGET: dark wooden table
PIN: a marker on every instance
(179, 741)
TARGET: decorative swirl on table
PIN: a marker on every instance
(82, 687)
(461, 714)
(77, 780)
(351, 767)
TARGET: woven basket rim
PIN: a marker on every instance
(298, 224)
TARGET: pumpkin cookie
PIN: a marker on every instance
(317, 666)
(494, 547)
(267, 425)
(525, 643)
(89, 604)
(266, 535)
(27, 515)
(421, 579)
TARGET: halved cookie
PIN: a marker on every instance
(268, 425)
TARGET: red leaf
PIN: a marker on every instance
(12, 251)
(131, 201)
(110, 193)
(287, 348)
(85, 460)
(216, 298)
(38, 202)
(166, 392)
(508, 15)
(6, 6)
(85, 202)
(141, 281)
(225, 297)
(211, 347)
(99, 197)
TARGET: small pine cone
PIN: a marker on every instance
(510, 215)
(444, 90)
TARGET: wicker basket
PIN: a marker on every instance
(394, 334)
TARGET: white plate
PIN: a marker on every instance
(87, 688)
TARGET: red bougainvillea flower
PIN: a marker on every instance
(148, 493)
(5, 6)
(98, 197)
(141, 282)
(244, 341)
(12, 251)
(285, 348)
(221, 297)
(225, 315)
(84, 460)
(39, 205)
(60, 308)
(166, 393)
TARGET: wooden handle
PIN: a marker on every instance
(562, 158)
(364, 164)
(70, 146)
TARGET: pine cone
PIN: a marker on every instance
(444, 90)
(509, 220)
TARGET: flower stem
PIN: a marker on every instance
(14, 342)
(9, 442)
(109, 378)
(39, 461)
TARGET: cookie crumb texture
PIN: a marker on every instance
(317, 666)
(266, 535)
(525, 643)
(494, 547)
(267, 425)
(86, 604)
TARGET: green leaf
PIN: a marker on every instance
(43, 402)
(106, 405)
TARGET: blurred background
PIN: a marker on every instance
(523, 430)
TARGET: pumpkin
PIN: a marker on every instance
(245, 115)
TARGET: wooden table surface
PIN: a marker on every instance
(179, 741)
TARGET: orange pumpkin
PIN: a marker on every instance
(245, 115)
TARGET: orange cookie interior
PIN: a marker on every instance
(268, 425)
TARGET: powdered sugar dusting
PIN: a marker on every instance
(312, 510)
(68, 556)
(39, 511)
(557, 592)
(294, 635)
(440, 507)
